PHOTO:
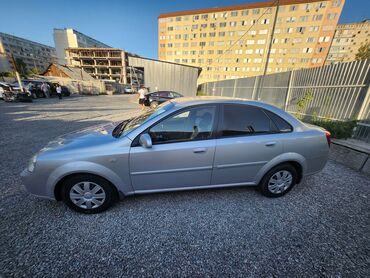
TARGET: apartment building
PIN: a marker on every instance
(347, 40)
(32, 54)
(232, 41)
(70, 38)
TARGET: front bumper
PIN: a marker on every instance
(35, 185)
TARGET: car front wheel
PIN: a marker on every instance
(88, 193)
(279, 180)
(153, 104)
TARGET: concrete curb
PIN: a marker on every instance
(351, 155)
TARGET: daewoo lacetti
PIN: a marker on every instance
(187, 143)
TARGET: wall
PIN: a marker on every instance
(167, 76)
(337, 92)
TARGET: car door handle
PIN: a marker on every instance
(270, 144)
(199, 150)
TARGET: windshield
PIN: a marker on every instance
(133, 123)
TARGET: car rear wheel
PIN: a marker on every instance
(88, 193)
(279, 180)
(153, 104)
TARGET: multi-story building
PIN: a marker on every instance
(116, 65)
(70, 38)
(100, 63)
(28, 54)
(347, 40)
(233, 41)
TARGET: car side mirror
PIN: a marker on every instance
(145, 140)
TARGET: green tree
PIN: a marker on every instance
(34, 71)
(21, 66)
(363, 52)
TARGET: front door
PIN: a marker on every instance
(182, 152)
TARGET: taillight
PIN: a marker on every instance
(328, 137)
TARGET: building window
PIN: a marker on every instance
(178, 18)
(317, 17)
(307, 50)
(263, 32)
(265, 21)
(293, 8)
(202, 44)
(204, 16)
(212, 34)
(245, 13)
(221, 34)
(203, 26)
(194, 26)
(195, 17)
(332, 16)
(301, 29)
(234, 13)
(222, 24)
(232, 23)
(170, 28)
(256, 11)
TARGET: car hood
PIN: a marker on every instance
(84, 138)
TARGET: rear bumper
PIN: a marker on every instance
(35, 185)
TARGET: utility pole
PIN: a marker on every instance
(16, 72)
(268, 51)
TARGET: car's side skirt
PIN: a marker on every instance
(194, 188)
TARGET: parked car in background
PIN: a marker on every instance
(11, 94)
(186, 143)
(31, 86)
(4, 87)
(155, 98)
(128, 89)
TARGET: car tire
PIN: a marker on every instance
(153, 104)
(88, 193)
(279, 180)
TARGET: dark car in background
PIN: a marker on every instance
(65, 91)
(155, 98)
(10, 93)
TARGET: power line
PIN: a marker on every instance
(245, 33)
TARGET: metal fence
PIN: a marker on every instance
(337, 92)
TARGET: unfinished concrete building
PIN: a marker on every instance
(100, 63)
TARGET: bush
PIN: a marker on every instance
(338, 129)
(201, 93)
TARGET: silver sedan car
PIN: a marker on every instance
(187, 143)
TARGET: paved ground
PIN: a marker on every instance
(321, 228)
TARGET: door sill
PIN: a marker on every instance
(194, 187)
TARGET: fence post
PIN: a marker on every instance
(235, 84)
(255, 87)
(289, 90)
(364, 107)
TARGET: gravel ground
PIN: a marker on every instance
(321, 228)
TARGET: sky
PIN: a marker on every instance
(127, 24)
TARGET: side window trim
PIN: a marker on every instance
(135, 142)
(276, 125)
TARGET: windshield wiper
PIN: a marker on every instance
(117, 131)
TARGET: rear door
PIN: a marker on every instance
(247, 140)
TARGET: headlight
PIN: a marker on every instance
(31, 164)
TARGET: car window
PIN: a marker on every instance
(187, 125)
(281, 124)
(163, 94)
(245, 120)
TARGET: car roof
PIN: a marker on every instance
(189, 101)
